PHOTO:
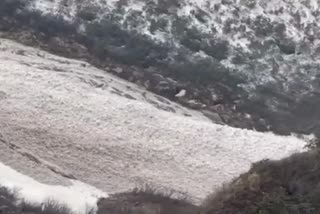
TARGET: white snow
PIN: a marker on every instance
(79, 197)
(135, 5)
(182, 93)
(113, 142)
(45, 6)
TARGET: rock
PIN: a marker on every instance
(217, 108)
(171, 81)
(287, 47)
(88, 15)
(163, 84)
(162, 87)
(118, 70)
(157, 77)
(194, 104)
(215, 117)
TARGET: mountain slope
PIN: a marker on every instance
(258, 59)
(75, 120)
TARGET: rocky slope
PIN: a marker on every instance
(255, 60)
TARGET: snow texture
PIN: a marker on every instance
(114, 135)
(79, 197)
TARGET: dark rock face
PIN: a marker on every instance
(253, 57)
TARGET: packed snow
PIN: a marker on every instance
(80, 197)
(114, 135)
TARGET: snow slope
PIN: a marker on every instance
(79, 197)
(81, 122)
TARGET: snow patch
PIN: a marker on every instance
(79, 197)
(182, 93)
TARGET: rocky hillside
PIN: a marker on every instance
(253, 62)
